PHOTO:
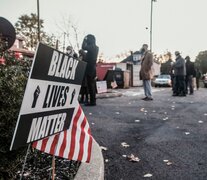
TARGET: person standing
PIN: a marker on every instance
(180, 73)
(190, 74)
(70, 51)
(84, 87)
(146, 72)
(198, 77)
(89, 45)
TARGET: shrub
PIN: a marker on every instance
(13, 77)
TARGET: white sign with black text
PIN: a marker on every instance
(50, 97)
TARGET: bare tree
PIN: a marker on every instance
(68, 33)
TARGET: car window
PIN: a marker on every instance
(163, 76)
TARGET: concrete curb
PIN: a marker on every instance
(93, 170)
(108, 95)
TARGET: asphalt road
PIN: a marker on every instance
(168, 135)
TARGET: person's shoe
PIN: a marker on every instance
(90, 104)
(148, 99)
(174, 94)
(182, 94)
(191, 94)
(144, 98)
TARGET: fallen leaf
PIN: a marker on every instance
(205, 114)
(200, 122)
(117, 112)
(142, 109)
(164, 119)
(145, 111)
(90, 113)
(177, 127)
(166, 160)
(172, 106)
(124, 156)
(124, 144)
(165, 112)
(133, 158)
(147, 175)
(153, 111)
(137, 120)
(169, 163)
(103, 148)
(130, 103)
(187, 133)
(173, 109)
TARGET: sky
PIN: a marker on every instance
(123, 25)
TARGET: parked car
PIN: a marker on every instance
(205, 80)
(163, 80)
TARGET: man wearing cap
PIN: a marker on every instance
(190, 74)
(70, 51)
(146, 72)
(180, 73)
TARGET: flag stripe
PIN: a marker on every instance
(74, 129)
(89, 147)
(54, 144)
(44, 143)
(63, 145)
(82, 137)
(78, 136)
(86, 143)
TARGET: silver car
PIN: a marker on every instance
(163, 80)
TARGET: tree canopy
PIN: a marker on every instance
(201, 61)
(27, 26)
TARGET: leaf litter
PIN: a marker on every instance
(124, 144)
(133, 158)
(147, 175)
(103, 148)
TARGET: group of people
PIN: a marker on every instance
(89, 54)
(183, 73)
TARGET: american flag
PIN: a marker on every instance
(73, 144)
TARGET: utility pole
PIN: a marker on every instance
(38, 17)
(151, 24)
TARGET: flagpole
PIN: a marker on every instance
(53, 167)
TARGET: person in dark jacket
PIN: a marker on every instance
(190, 74)
(89, 45)
(84, 87)
(180, 73)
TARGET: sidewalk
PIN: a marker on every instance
(95, 169)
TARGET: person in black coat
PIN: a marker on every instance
(89, 45)
(190, 74)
